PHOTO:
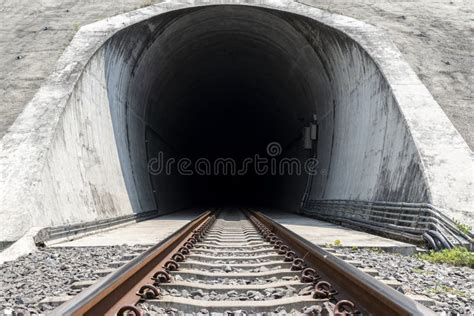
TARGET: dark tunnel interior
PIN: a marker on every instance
(226, 87)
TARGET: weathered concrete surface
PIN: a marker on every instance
(324, 233)
(148, 232)
(432, 35)
(435, 38)
(22, 34)
(382, 135)
(23, 246)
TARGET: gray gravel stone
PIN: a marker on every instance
(51, 272)
(252, 295)
(451, 287)
(325, 309)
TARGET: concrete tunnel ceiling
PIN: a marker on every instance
(225, 81)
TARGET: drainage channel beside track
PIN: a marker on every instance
(238, 263)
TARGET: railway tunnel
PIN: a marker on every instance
(227, 81)
(190, 85)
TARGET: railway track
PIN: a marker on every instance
(234, 263)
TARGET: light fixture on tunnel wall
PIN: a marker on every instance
(311, 133)
(310, 136)
(308, 143)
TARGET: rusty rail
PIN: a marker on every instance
(370, 296)
(120, 288)
(351, 290)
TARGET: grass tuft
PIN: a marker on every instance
(458, 256)
(443, 289)
(466, 229)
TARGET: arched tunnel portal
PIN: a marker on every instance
(182, 83)
(226, 81)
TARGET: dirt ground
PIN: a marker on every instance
(436, 38)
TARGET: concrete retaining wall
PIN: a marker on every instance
(77, 152)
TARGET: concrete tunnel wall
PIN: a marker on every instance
(142, 90)
(159, 71)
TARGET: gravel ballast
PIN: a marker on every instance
(51, 272)
(326, 308)
(452, 288)
(269, 293)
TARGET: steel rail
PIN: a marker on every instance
(119, 288)
(124, 288)
(370, 296)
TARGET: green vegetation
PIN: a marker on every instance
(443, 289)
(76, 26)
(421, 271)
(336, 243)
(458, 256)
(466, 229)
(376, 250)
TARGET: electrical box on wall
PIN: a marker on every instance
(308, 143)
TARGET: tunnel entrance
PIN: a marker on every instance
(195, 80)
(225, 82)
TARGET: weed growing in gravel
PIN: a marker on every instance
(458, 256)
(376, 250)
(443, 289)
(421, 271)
